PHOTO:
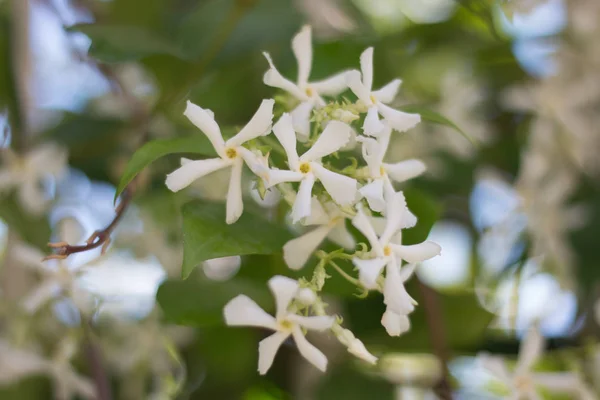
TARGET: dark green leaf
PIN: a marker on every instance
(152, 151)
(436, 118)
(207, 236)
(122, 43)
(32, 229)
(426, 209)
(200, 302)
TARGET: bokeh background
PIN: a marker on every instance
(516, 211)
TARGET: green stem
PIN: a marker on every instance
(343, 273)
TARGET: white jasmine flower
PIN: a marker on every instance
(387, 252)
(307, 168)
(309, 93)
(231, 154)
(380, 188)
(330, 222)
(522, 381)
(242, 311)
(27, 174)
(355, 346)
(57, 279)
(376, 101)
(221, 269)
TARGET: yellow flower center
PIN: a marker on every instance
(381, 171)
(373, 99)
(387, 251)
(522, 383)
(285, 325)
(309, 91)
(231, 153)
(305, 168)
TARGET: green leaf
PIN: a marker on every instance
(200, 302)
(426, 209)
(152, 151)
(32, 229)
(122, 43)
(206, 235)
(436, 118)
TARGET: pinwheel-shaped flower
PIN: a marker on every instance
(381, 174)
(27, 174)
(309, 93)
(242, 311)
(376, 101)
(307, 168)
(387, 252)
(231, 154)
(330, 222)
(523, 383)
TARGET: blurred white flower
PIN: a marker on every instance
(26, 174)
(307, 168)
(380, 174)
(376, 101)
(522, 382)
(331, 224)
(309, 93)
(221, 269)
(242, 311)
(231, 154)
(306, 296)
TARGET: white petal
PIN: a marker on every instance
(369, 271)
(398, 120)
(284, 289)
(405, 170)
(273, 78)
(221, 269)
(256, 162)
(496, 366)
(284, 131)
(395, 295)
(417, 252)
(259, 125)
(354, 82)
(394, 324)
(358, 349)
(366, 67)
(373, 192)
(388, 93)
(48, 158)
(235, 203)
(192, 170)
(301, 207)
(363, 224)
(372, 125)
(335, 136)
(28, 256)
(302, 48)
(341, 188)
(318, 215)
(316, 323)
(407, 271)
(301, 120)
(243, 311)
(308, 351)
(395, 207)
(207, 124)
(267, 349)
(297, 251)
(277, 176)
(331, 86)
(532, 347)
(41, 295)
(558, 381)
(409, 220)
(341, 236)
(32, 196)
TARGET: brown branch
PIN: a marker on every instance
(98, 238)
(437, 337)
(95, 363)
